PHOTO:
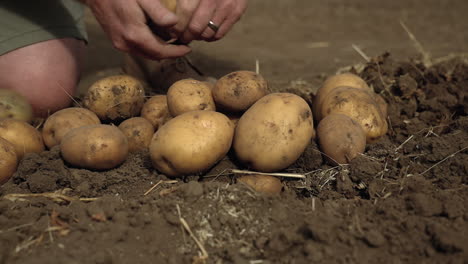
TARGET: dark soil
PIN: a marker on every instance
(403, 201)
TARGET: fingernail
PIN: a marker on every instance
(169, 19)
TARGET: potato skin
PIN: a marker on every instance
(338, 80)
(237, 91)
(62, 121)
(13, 105)
(340, 138)
(95, 147)
(155, 110)
(189, 95)
(8, 160)
(139, 133)
(382, 105)
(115, 97)
(360, 105)
(262, 183)
(191, 143)
(22, 135)
(274, 132)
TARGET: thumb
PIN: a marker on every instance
(159, 14)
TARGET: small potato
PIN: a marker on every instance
(358, 104)
(262, 183)
(189, 95)
(237, 91)
(383, 106)
(95, 147)
(138, 131)
(62, 121)
(13, 105)
(22, 135)
(115, 97)
(191, 143)
(344, 79)
(8, 160)
(340, 138)
(274, 132)
(155, 110)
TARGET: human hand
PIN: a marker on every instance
(126, 24)
(194, 16)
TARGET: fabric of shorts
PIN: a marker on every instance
(25, 22)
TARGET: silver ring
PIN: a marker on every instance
(213, 26)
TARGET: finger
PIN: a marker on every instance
(218, 20)
(158, 13)
(230, 20)
(153, 47)
(202, 16)
(185, 10)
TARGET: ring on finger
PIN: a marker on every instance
(213, 26)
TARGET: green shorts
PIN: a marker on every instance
(25, 22)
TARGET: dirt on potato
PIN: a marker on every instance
(403, 201)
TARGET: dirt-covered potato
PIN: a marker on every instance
(360, 105)
(382, 105)
(115, 97)
(237, 91)
(22, 135)
(274, 132)
(95, 147)
(191, 143)
(189, 95)
(155, 110)
(139, 133)
(8, 160)
(340, 138)
(344, 79)
(62, 121)
(262, 183)
(13, 105)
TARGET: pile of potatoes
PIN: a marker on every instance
(349, 115)
(193, 126)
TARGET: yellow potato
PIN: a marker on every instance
(170, 4)
(139, 133)
(189, 95)
(8, 160)
(344, 79)
(155, 110)
(237, 91)
(265, 184)
(95, 147)
(340, 138)
(358, 104)
(13, 105)
(22, 135)
(115, 97)
(62, 121)
(274, 132)
(191, 143)
(383, 106)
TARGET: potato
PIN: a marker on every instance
(115, 97)
(22, 135)
(383, 106)
(139, 133)
(170, 4)
(155, 110)
(262, 183)
(237, 91)
(274, 132)
(13, 105)
(62, 121)
(340, 138)
(191, 143)
(8, 160)
(344, 79)
(358, 104)
(189, 95)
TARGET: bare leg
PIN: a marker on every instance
(46, 73)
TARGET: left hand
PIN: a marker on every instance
(194, 16)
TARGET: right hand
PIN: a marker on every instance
(125, 22)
